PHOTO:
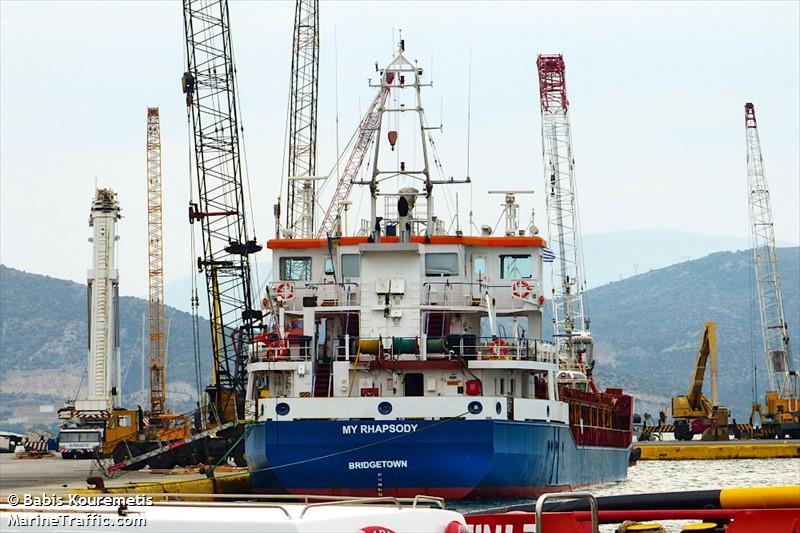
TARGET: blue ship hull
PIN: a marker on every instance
(453, 458)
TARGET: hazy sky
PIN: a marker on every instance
(656, 93)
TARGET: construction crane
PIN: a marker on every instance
(155, 307)
(105, 381)
(331, 221)
(85, 418)
(570, 324)
(209, 84)
(694, 413)
(783, 405)
(303, 120)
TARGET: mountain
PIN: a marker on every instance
(638, 251)
(43, 347)
(646, 328)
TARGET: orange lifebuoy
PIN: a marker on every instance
(278, 349)
(521, 288)
(284, 291)
(498, 347)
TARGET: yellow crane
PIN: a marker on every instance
(694, 413)
(158, 382)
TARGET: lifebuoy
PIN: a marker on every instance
(264, 303)
(521, 288)
(278, 349)
(284, 291)
(498, 347)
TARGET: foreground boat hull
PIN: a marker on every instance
(452, 458)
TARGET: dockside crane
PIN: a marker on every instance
(209, 85)
(782, 411)
(570, 323)
(303, 121)
(155, 249)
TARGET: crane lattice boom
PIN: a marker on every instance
(561, 198)
(366, 131)
(774, 329)
(210, 87)
(158, 384)
(303, 119)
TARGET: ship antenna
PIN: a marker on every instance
(469, 122)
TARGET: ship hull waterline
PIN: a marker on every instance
(453, 458)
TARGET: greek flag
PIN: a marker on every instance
(548, 256)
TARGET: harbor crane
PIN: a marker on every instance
(155, 307)
(85, 418)
(209, 85)
(570, 323)
(303, 121)
(782, 412)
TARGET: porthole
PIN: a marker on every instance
(384, 408)
(475, 407)
(282, 409)
(498, 407)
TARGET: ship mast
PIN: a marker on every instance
(562, 205)
(775, 332)
(303, 120)
(399, 75)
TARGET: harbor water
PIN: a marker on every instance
(672, 476)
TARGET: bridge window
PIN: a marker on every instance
(441, 264)
(351, 266)
(295, 268)
(516, 266)
(479, 266)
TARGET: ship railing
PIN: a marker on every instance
(281, 501)
(271, 348)
(445, 347)
(472, 293)
(324, 294)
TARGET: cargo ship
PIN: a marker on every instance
(407, 357)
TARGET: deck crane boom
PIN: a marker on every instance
(303, 120)
(366, 131)
(158, 382)
(775, 332)
(209, 84)
(571, 325)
